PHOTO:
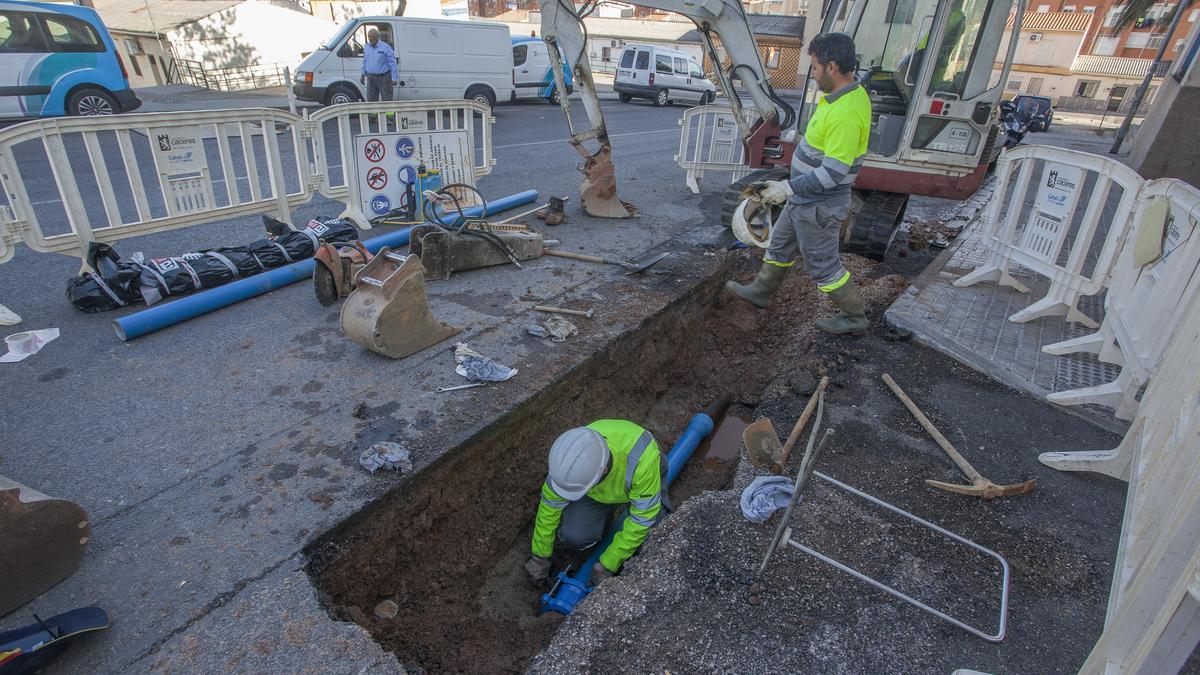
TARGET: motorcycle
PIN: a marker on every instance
(1013, 123)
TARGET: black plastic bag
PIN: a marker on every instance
(113, 284)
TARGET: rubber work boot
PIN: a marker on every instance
(758, 292)
(851, 316)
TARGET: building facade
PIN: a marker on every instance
(1162, 146)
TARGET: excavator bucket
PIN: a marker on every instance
(598, 192)
(44, 539)
(388, 313)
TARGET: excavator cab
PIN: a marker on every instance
(930, 67)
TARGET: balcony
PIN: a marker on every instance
(1117, 65)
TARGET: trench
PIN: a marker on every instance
(446, 546)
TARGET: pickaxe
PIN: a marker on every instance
(980, 486)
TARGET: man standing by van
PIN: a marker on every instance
(817, 194)
(379, 72)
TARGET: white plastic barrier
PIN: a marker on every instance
(1153, 619)
(710, 141)
(380, 146)
(1030, 221)
(71, 181)
(1156, 274)
(144, 173)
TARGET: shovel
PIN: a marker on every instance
(633, 268)
(762, 443)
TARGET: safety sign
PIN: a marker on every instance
(178, 150)
(374, 151)
(376, 178)
(386, 163)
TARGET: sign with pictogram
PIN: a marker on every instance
(379, 173)
(380, 204)
(377, 178)
(405, 147)
(375, 150)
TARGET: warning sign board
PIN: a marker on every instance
(388, 162)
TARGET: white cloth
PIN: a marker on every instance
(24, 345)
(764, 496)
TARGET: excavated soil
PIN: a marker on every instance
(446, 547)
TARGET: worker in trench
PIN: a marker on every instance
(595, 472)
(817, 193)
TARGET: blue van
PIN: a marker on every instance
(58, 59)
(532, 75)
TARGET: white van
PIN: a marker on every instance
(661, 75)
(436, 58)
(532, 75)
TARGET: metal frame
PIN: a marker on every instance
(997, 637)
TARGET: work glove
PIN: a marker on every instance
(774, 192)
(599, 573)
(362, 79)
(538, 569)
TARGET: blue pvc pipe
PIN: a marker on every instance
(191, 306)
(572, 588)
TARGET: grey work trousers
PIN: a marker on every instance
(585, 520)
(379, 87)
(815, 231)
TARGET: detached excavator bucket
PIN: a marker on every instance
(43, 542)
(388, 312)
(598, 192)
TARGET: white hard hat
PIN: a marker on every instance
(752, 223)
(578, 459)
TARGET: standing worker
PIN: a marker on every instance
(824, 167)
(379, 71)
(594, 470)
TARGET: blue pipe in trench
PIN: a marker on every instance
(191, 306)
(572, 588)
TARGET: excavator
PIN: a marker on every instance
(931, 67)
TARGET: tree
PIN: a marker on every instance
(1135, 11)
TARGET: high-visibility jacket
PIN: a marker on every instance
(827, 159)
(633, 479)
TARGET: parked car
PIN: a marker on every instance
(533, 76)
(1037, 110)
(436, 58)
(58, 59)
(661, 75)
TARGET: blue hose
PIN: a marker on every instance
(571, 588)
(189, 307)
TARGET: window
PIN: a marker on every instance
(1089, 10)
(1013, 85)
(694, 70)
(643, 61)
(952, 68)
(1155, 41)
(1106, 45)
(1113, 15)
(19, 34)
(1042, 9)
(680, 66)
(1035, 37)
(627, 59)
(133, 47)
(520, 53)
(68, 34)
(1086, 88)
(356, 43)
(662, 64)
(1035, 85)
(1137, 41)
(772, 58)
(134, 62)
(606, 54)
(1069, 9)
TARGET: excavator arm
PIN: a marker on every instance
(724, 20)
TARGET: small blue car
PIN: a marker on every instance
(58, 59)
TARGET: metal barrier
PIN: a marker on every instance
(1153, 619)
(400, 136)
(1036, 225)
(1156, 274)
(710, 141)
(71, 181)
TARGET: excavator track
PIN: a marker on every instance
(873, 227)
